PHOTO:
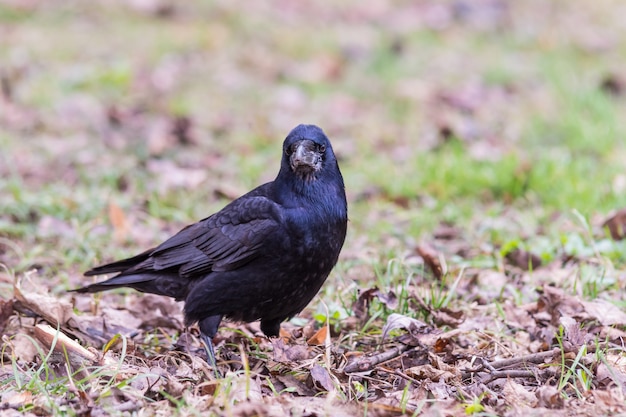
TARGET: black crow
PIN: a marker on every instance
(262, 257)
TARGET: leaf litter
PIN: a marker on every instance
(413, 364)
(513, 335)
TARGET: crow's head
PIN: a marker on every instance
(306, 151)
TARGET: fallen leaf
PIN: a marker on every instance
(399, 321)
(549, 397)
(447, 317)
(52, 310)
(522, 259)
(613, 84)
(617, 225)
(16, 400)
(24, 347)
(431, 373)
(361, 306)
(118, 221)
(321, 376)
(518, 395)
(294, 383)
(284, 353)
(432, 258)
(605, 312)
(319, 338)
(6, 311)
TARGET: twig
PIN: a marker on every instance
(406, 377)
(367, 363)
(535, 358)
(495, 370)
(512, 373)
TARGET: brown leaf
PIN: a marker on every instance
(399, 321)
(52, 310)
(361, 305)
(442, 345)
(446, 232)
(16, 400)
(182, 130)
(433, 259)
(24, 347)
(6, 310)
(549, 397)
(390, 300)
(321, 377)
(284, 353)
(292, 382)
(518, 395)
(613, 84)
(523, 259)
(118, 221)
(431, 373)
(605, 312)
(446, 317)
(617, 225)
(319, 338)
(517, 317)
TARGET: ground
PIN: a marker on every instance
(482, 146)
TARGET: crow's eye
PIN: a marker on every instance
(322, 148)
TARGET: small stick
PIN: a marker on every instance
(535, 358)
(369, 362)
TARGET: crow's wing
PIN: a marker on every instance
(224, 241)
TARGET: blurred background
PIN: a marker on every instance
(122, 121)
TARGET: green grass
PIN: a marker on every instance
(553, 171)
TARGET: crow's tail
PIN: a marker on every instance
(119, 266)
(161, 283)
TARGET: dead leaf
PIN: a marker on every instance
(446, 232)
(52, 310)
(6, 311)
(432, 258)
(291, 381)
(431, 373)
(389, 299)
(284, 353)
(399, 321)
(605, 312)
(613, 84)
(617, 225)
(360, 307)
(517, 317)
(447, 317)
(170, 176)
(321, 377)
(118, 221)
(24, 347)
(16, 400)
(549, 397)
(524, 260)
(518, 395)
(319, 338)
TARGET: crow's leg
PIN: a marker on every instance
(271, 327)
(208, 329)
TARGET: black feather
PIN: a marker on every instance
(262, 257)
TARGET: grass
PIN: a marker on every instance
(524, 150)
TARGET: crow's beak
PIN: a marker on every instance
(305, 157)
